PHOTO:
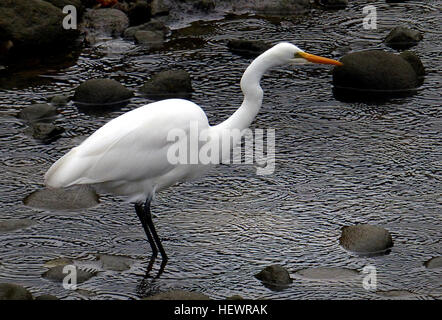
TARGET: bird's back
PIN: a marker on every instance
(129, 153)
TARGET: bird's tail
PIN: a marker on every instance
(65, 171)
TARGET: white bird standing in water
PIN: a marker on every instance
(128, 155)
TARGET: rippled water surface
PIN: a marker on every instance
(337, 164)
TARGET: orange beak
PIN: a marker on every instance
(318, 59)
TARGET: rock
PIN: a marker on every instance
(365, 239)
(38, 113)
(154, 25)
(415, 62)
(9, 291)
(248, 48)
(168, 84)
(7, 225)
(57, 274)
(323, 273)
(99, 92)
(280, 7)
(139, 13)
(114, 263)
(332, 4)
(72, 198)
(158, 8)
(434, 263)
(235, 297)
(46, 297)
(178, 295)
(46, 132)
(150, 39)
(374, 73)
(58, 262)
(205, 5)
(395, 1)
(274, 275)
(103, 23)
(62, 3)
(59, 100)
(397, 294)
(33, 27)
(403, 38)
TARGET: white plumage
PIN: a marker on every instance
(128, 155)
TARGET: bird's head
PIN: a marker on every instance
(287, 53)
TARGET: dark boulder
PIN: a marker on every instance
(332, 4)
(248, 48)
(139, 12)
(374, 74)
(168, 84)
(274, 276)
(101, 92)
(403, 38)
(38, 113)
(9, 291)
(32, 27)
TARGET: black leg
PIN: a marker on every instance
(141, 215)
(150, 225)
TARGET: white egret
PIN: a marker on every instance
(128, 155)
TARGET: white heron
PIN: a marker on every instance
(128, 155)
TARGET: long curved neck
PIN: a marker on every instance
(244, 115)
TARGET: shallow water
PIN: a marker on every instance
(337, 164)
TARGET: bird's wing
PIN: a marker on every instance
(131, 147)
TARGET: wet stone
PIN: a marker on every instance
(99, 92)
(57, 274)
(9, 291)
(72, 198)
(168, 84)
(434, 263)
(38, 113)
(114, 263)
(365, 239)
(178, 295)
(58, 262)
(7, 225)
(46, 297)
(274, 275)
(323, 273)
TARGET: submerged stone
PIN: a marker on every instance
(365, 239)
(10, 291)
(178, 295)
(323, 273)
(72, 198)
(56, 274)
(7, 225)
(114, 263)
(274, 275)
(434, 263)
(374, 74)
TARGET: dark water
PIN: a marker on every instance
(337, 164)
